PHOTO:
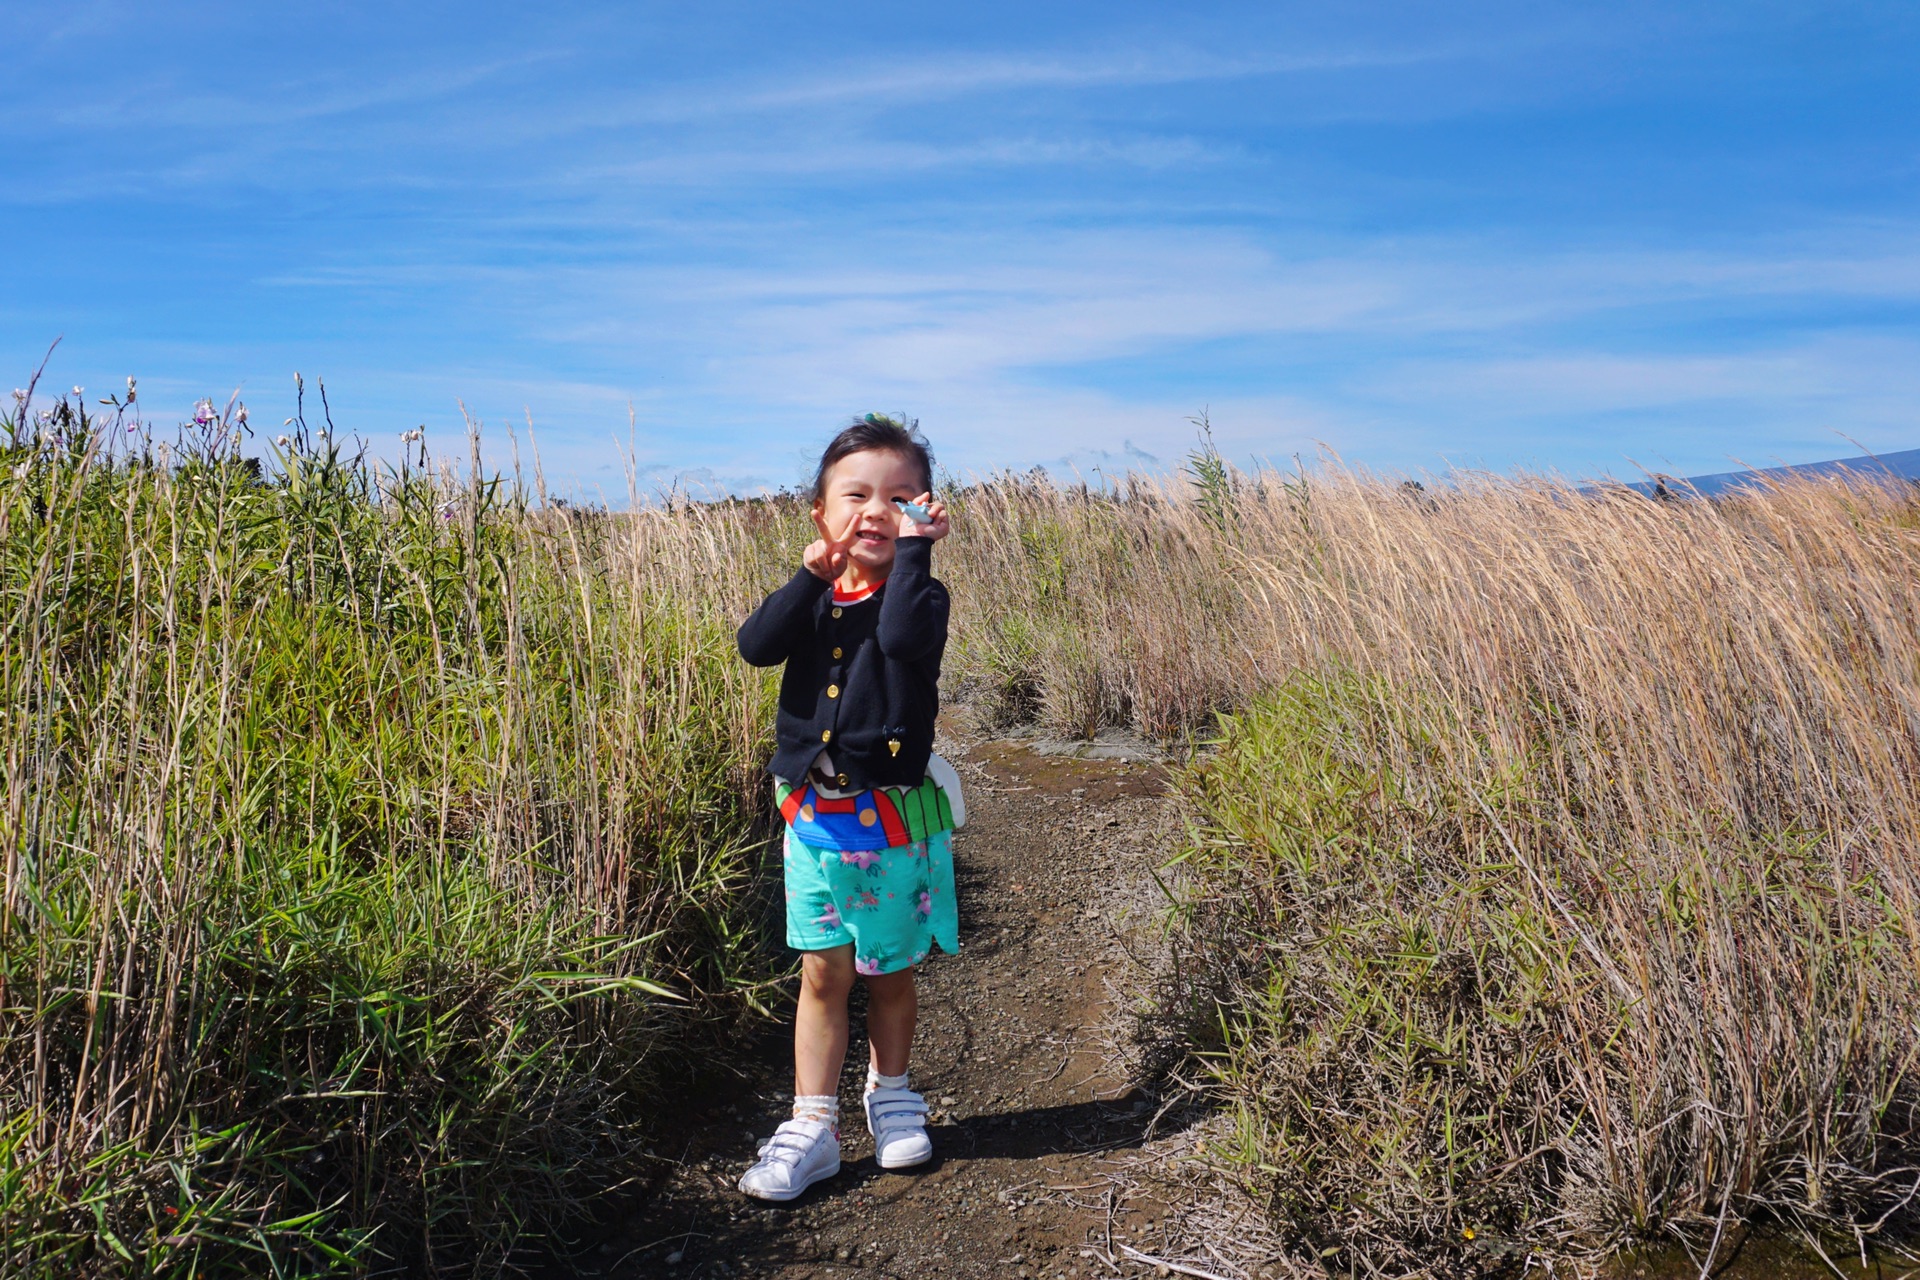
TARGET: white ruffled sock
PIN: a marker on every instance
(824, 1107)
(877, 1081)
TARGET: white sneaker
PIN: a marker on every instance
(799, 1154)
(897, 1119)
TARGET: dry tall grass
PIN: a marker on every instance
(372, 847)
(1083, 610)
(1564, 893)
(1555, 880)
(1552, 882)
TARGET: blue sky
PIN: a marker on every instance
(1500, 235)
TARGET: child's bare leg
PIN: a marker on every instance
(820, 1023)
(806, 1148)
(896, 1114)
(892, 1008)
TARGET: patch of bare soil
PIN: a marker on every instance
(1019, 1051)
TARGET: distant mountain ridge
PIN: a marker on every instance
(1904, 465)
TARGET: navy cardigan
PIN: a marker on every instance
(862, 680)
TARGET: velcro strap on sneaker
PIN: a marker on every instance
(789, 1142)
(895, 1107)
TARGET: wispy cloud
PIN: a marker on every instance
(1520, 233)
(185, 100)
(911, 321)
(856, 156)
(932, 78)
(1050, 352)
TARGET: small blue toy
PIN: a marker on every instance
(915, 512)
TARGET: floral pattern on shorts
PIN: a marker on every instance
(893, 905)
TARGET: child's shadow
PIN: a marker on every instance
(1077, 1128)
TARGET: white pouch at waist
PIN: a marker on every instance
(947, 780)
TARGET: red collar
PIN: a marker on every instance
(854, 597)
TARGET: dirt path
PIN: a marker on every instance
(1033, 1110)
(1038, 1123)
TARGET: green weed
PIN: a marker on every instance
(375, 847)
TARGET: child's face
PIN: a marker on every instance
(856, 507)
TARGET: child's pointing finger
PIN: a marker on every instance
(848, 535)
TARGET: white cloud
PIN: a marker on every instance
(924, 78)
(1063, 345)
(1004, 348)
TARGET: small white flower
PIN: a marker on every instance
(322, 433)
(285, 442)
(22, 471)
(240, 415)
(19, 395)
(78, 392)
(130, 390)
(287, 423)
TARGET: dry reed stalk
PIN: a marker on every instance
(1636, 777)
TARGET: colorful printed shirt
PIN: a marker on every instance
(877, 818)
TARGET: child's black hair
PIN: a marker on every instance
(877, 431)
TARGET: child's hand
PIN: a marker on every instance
(936, 529)
(825, 560)
(826, 556)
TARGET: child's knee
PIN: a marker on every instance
(828, 974)
(887, 987)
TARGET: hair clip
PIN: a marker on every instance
(915, 512)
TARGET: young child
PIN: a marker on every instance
(869, 808)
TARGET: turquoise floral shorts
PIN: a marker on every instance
(891, 904)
